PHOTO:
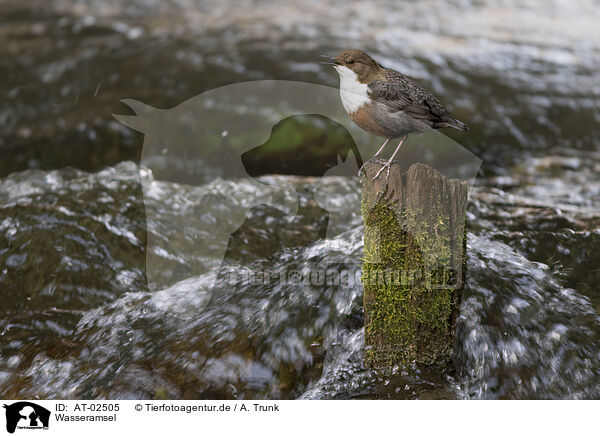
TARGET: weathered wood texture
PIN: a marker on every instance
(413, 264)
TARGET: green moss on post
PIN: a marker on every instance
(413, 264)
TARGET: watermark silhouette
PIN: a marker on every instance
(217, 145)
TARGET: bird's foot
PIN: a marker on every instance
(372, 160)
(360, 170)
(386, 165)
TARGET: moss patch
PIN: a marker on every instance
(407, 277)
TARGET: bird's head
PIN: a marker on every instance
(357, 62)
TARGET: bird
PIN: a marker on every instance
(387, 103)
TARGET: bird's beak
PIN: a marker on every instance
(331, 61)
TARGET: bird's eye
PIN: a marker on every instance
(350, 61)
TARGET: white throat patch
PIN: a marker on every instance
(353, 93)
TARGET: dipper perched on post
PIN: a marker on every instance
(386, 103)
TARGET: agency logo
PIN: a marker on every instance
(26, 415)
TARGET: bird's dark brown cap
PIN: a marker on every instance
(361, 63)
(352, 56)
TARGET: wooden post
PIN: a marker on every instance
(414, 264)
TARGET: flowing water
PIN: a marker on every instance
(79, 319)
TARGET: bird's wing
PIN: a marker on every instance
(405, 95)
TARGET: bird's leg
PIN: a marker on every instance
(389, 162)
(381, 148)
(374, 156)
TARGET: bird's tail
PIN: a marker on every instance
(450, 121)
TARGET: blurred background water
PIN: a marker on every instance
(79, 320)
